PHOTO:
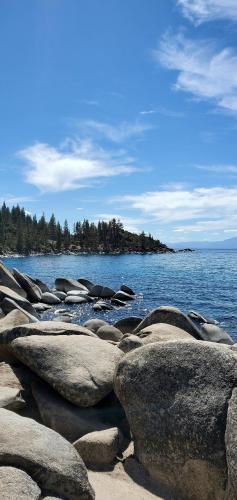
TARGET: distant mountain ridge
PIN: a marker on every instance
(229, 244)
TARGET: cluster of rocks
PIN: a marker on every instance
(160, 391)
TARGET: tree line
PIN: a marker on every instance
(23, 234)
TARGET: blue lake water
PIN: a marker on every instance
(204, 280)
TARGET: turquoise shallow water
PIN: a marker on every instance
(204, 280)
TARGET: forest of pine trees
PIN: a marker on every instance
(23, 234)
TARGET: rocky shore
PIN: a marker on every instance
(141, 409)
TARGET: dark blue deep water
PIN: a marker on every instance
(204, 280)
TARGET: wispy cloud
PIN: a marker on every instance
(219, 169)
(15, 200)
(199, 210)
(200, 11)
(89, 102)
(161, 110)
(203, 71)
(116, 133)
(74, 165)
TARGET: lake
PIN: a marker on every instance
(205, 280)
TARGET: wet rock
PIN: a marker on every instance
(127, 289)
(123, 296)
(129, 324)
(79, 367)
(33, 291)
(56, 464)
(15, 484)
(65, 285)
(7, 279)
(103, 292)
(175, 395)
(109, 332)
(118, 303)
(100, 447)
(85, 282)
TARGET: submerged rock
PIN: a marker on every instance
(79, 367)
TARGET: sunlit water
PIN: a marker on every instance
(204, 280)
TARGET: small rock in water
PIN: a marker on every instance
(50, 298)
(74, 299)
(123, 296)
(127, 289)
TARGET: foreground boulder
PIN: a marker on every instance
(79, 367)
(56, 464)
(172, 316)
(9, 305)
(175, 395)
(43, 328)
(33, 291)
(15, 484)
(7, 279)
(100, 447)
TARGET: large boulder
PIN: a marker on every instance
(109, 332)
(79, 367)
(8, 280)
(175, 395)
(56, 464)
(85, 282)
(13, 318)
(33, 291)
(69, 420)
(104, 292)
(163, 332)
(23, 303)
(100, 447)
(9, 305)
(65, 284)
(15, 484)
(172, 316)
(43, 328)
(43, 287)
(129, 324)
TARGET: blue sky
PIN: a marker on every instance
(122, 108)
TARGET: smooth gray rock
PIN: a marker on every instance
(64, 319)
(7, 279)
(50, 298)
(103, 292)
(127, 289)
(214, 333)
(100, 447)
(12, 319)
(78, 293)
(67, 419)
(9, 305)
(41, 307)
(163, 332)
(109, 332)
(128, 325)
(23, 303)
(102, 305)
(123, 296)
(15, 484)
(130, 343)
(79, 367)
(172, 316)
(75, 299)
(85, 282)
(56, 464)
(60, 295)
(33, 291)
(175, 395)
(10, 399)
(94, 324)
(43, 287)
(44, 328)
(65, 284)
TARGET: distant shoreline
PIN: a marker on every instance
(53, 254)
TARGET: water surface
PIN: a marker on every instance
(204, 280)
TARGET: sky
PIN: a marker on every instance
(122, 108)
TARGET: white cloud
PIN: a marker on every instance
(161, 110)
(203, 71)
(132, 224)
(225, 169)
(208, 10)
(10, 199)
(199, 210)
(76, 164)
(116, 133)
